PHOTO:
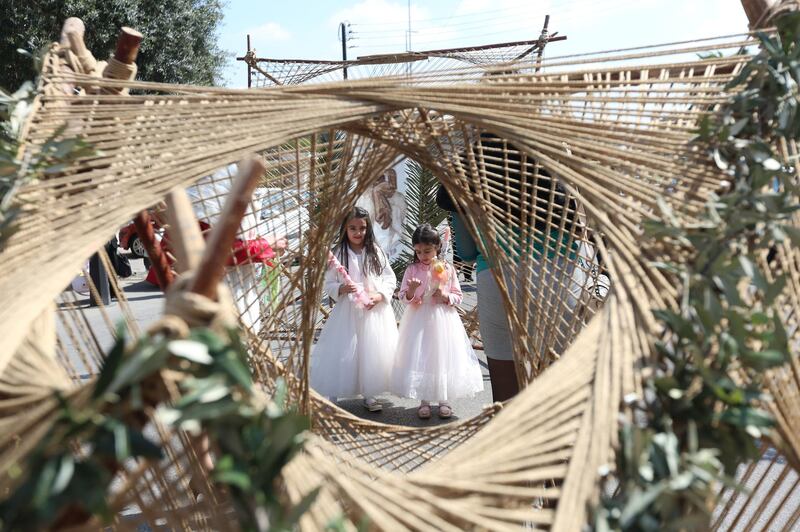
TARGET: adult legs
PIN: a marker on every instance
(496, 337)
(504, 379)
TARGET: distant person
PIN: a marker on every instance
(354, 353)
(434, 360)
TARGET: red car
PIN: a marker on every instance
(129, 239)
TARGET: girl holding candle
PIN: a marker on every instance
(355, 351)
(434, 360)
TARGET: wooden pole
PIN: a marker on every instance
(757, 10)
(76, 26)
(186, 240)
(128, 44)
(86, 59)
(127, 50)
(543, 37)
(145, 233)
(343, 29)
(249, 69)
(71, 25)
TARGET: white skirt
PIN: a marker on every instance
(355, 351)
(434, 360)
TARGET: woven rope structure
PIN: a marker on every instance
(613, 129)
(269, 72)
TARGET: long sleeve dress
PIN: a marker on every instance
(434, 359)
(355, 351)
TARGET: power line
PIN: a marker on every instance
(502, 20)
(438, 18)
(395, 35)
(560, 20)
(484, 15)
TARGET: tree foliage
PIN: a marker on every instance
(421, 187)
(179, 46)
(251, 436)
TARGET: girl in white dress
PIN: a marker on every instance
(355, 351)
(434, 360)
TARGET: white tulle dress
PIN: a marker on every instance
(355, 351)
(434, 360)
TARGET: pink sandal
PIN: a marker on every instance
(424, 411)
(445, 411)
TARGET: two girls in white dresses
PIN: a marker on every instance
(358, 351)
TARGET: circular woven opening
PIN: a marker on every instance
(530, 230)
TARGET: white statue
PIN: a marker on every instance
(387, 208)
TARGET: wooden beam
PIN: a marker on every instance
(186, 240)
(757, 12)
(128, 44)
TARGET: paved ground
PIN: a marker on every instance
(146, 303)
(399, 411)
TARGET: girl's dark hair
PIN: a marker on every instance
(425, 234)
(372, 260)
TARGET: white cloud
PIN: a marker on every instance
(268, 32)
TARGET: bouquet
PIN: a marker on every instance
(361, 297)
(440, 274)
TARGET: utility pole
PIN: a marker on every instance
(409, 68)
(542, 42)
(343, 29)
(249, 70)
(408, 33)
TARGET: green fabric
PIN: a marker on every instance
(538, 249)
(271, 286)
(468, 251)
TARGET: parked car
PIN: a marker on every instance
(129, 238)
(283, 213)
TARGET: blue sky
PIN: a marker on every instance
(308, 29)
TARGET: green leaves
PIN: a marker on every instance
(421, 187)
(252, 438)
(53, 157)
(180, 44)
(762, 360)
(656, 471)
(703, 408)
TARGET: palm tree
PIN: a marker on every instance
(421, 186)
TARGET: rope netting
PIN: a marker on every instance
(602, 137)
(267, 72)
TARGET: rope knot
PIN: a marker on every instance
(184, 310)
